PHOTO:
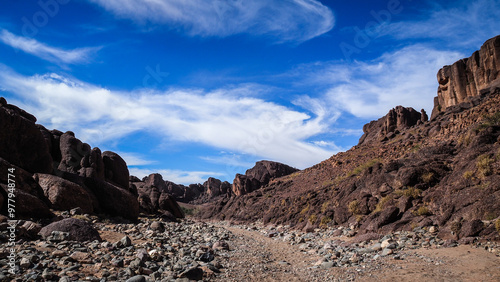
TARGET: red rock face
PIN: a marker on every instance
(468, 77)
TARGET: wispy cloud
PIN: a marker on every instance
(176, 176)
(370, 89)
(466, 24)
(227, 118)
(46, 52)
(293, 20)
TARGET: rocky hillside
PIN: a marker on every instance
(406, 172)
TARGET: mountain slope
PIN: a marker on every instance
(406, 171)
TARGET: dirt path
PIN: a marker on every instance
(256, 257)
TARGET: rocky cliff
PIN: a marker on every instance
(468, 77)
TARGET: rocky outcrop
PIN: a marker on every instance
(468, 77)
(154, 196)
(214, 187)
(259, 175)
(391, 124)
(71, 173)
(21, 142)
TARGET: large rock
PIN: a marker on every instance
(156, 180)
(72, 152)
(29, 206)
(21, 142)
(113, 199)
(214, 187)
(151, 200)
(30, 199)
(243, 184)
(397, 119)
(116, 170)
(63, 194)
(175, 190)
(168, 203)
(259, 175)
(468, 77)
(471, 228)
(79, 230)
(92, 165)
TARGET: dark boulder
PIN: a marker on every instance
(168, 203)
(471, 228)
(63, 194)
(79, 230)
(92, 165)
(113, 199)
(72, 152)
(116, 170)
(21, 142)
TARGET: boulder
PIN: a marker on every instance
(156, 180)
(21, 142)
(115, 168)
(471, 228)
(213, 187)
(92, 165)
(79, 230)
(29, 206)
(72, 152)
(112, 199)
(63, 194)
(168, 203)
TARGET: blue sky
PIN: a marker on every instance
(192, 88)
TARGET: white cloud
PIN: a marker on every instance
(133, 159)
(466, 23)
(220, 118)
(232, 161)
(291, 20)
(46, 52)
(370, 89)
(176, 176)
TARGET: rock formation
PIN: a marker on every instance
(21, 143)
(468, 77)
(56, 170)
(259, 175)
(155, 197)
(388, 126)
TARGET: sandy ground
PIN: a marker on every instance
(255, 257)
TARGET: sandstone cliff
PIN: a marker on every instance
(468, 77)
